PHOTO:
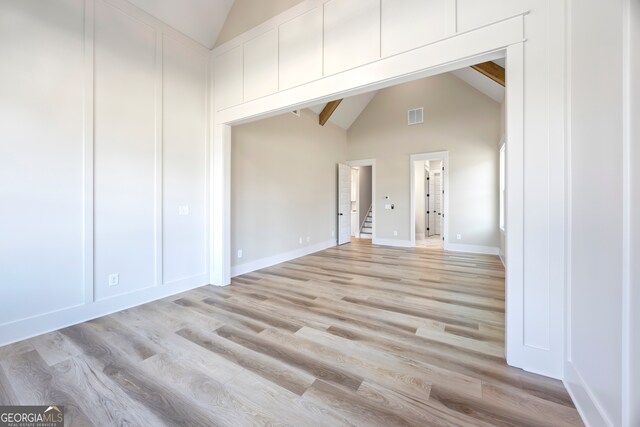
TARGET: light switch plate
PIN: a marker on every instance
(387, 206)
(183, 210)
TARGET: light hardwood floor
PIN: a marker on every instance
(354, 335)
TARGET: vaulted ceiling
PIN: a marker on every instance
(350, 109)
(202, 20)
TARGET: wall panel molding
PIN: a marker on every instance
(88, 114)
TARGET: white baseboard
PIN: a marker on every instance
(44, 323)
(393, 242)
(280, 258)
(504, 264)
(472, 249)
(588, 406)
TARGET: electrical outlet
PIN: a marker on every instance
(114, 279)
(239, 253)
(459, 236)
(183, 210)
(308, 239)
(333, 234)
(300, 240)
(395, 233)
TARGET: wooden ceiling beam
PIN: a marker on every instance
(328, 111)
(492, 70)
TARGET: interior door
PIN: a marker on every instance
(438, 201)
(431, 228)
(344, 204)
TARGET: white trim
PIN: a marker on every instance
(588, 407)
(393, 242)
(630, 387)
(43, 323)
(159, 159)
(515, 349)
(280, 258)
(88, 145)
(372, 163)
(568, 191)
(221, 206)
(439, 155)
(472, 249)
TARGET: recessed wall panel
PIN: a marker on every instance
(229, 86)
(351, 34)
(184, 162)
(300, 49)
(125, 187)
(41, 157)
(261, 66)
(473, 13)
(407, 24)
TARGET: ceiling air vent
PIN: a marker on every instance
(415, 116)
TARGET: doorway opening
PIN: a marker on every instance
(361, 202)
(363, 196)
(517, 353)
(429, 199)
(429, 196)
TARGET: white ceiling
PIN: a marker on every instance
(348, 110)
(201, 20)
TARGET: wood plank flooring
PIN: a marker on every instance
(357, 335)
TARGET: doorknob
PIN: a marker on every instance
(340, 214)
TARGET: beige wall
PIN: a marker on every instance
(283, 185)
(458, 119)
(246, 14)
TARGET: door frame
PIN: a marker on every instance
(372, 163)
(409, 66)
(437, 155)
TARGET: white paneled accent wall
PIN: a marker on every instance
(321, 38)
(103, 142)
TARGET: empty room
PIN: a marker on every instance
(319, 213)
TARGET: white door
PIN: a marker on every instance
(344, 204)
(437, 197)
(433, 215)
